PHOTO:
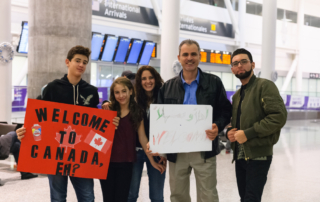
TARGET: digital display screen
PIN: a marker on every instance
(154, 52)
(220, 57)
(122, 50)
(204, 56)
(23, 44)
(109, 48)
(96, 45)
(216, 57)
(226, 58)
(146, 54)
(134, 51)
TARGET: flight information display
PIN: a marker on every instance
(122, 50)
(109, 48)
(23, 44)
(146, 54)
(96, 45)
(134, 51)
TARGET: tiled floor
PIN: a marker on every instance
(294, 175)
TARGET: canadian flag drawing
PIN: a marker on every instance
(98, 142)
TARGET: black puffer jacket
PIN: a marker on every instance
(210, 92)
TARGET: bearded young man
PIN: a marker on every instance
(258, 114)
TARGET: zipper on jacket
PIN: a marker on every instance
(244, 151)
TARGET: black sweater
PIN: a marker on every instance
(62, 91)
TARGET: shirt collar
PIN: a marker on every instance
(197, 78)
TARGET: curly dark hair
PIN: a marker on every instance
(135, 110)
(142, 98)
(78, 50)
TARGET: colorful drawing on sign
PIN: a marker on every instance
(66, 140)
(180, 128)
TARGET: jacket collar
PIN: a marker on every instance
(251, 81)
(202, 79)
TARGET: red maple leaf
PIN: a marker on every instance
(65, 142)
(98, 141)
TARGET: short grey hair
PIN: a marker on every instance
(188, 42)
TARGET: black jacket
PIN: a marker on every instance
(62, 91)
(210, 92)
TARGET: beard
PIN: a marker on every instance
(244, 75)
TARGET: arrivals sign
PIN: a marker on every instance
(66, 140)
(134, 13)
(123, 11)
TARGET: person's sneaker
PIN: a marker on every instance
(25, 176)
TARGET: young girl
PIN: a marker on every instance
(116, 186)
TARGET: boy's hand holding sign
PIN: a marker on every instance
(64, 140)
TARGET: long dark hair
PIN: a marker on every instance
(142, 98)
(134, 108)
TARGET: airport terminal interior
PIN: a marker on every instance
(124, 35)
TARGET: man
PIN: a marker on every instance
(71, 89)
(192, 86)
(9, 143)
(257, 117)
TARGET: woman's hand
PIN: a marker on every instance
(105, 106)
(163, 161)
(116, 121)
(20, 132)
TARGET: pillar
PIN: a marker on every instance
(269, 20)
(54, 28)
(300, 46)
(242, 22)
(5, 68)
(169, 37)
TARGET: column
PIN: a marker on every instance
(242, 22)
(5, 68)
(54, 28)
(269, 17)
(169, 37)
(300, 46)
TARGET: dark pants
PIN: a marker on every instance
(15, 147)
(117, 185)
(251, 178)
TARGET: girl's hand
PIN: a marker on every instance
(148, 151)
(160, 167)
(105, 106)
(116, 121)
(20, 132)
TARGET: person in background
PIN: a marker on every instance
(10, 143)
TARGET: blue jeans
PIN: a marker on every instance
(156, 179)
(82, 186)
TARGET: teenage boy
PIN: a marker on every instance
(71, 89)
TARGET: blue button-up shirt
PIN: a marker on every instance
(190, 97)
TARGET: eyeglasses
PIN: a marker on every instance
(242, 62)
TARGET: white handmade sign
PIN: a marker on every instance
(180, 128)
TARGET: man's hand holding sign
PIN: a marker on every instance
(63, 140)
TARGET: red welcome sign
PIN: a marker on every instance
(64, 139)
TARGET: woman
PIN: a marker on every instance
(148, 84)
